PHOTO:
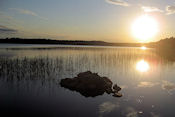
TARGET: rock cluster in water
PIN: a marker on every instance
(91, 84)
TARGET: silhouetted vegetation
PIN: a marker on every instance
(29, 69)
(166, 48)
(49, 41)
(65, 42)
(164, 44)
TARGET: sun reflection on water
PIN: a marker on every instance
(142, 66)
(143, 48)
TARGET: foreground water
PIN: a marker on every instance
(30, 76)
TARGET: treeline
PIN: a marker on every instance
(167, 43)
(49, 41)
(166, 48)
(64, 42)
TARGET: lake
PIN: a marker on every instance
(30, 77)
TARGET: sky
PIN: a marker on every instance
(105, 20)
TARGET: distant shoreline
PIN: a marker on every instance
(164, 47)
(57, 46)
(70, 42)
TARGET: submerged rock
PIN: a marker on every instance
(89, 84)
(117, 94)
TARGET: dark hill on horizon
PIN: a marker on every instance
(66, 42)
(50, 41)
(166, 48)
(164, 44)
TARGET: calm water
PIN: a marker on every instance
(29, 81)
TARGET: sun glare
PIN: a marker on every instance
(143, 48)
(144, 28)
(142, 66)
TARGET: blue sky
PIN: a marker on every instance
(106, 20)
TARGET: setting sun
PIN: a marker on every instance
(144, 28)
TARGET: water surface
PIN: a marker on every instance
(30, 76)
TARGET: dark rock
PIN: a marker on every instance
(88, 84)
(117, 94)
(109, 91)
(116, 88)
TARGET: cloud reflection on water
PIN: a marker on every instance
(154, 115)
(131, 112)
(168, 86)
(147, 84)
(107, 107)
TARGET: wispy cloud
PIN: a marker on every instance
(170, 10)
(7, 21)
(151, 9)
(4, 29)
(118, 2)
(4, 16)
(28, 12)
(23, 11)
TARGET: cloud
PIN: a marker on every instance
(28, 12)
(23, 11)
(118, 2)
(8, 20)
(151, 9)
(4, 29)
(4, 16)
(146, 84)
(170, 10)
